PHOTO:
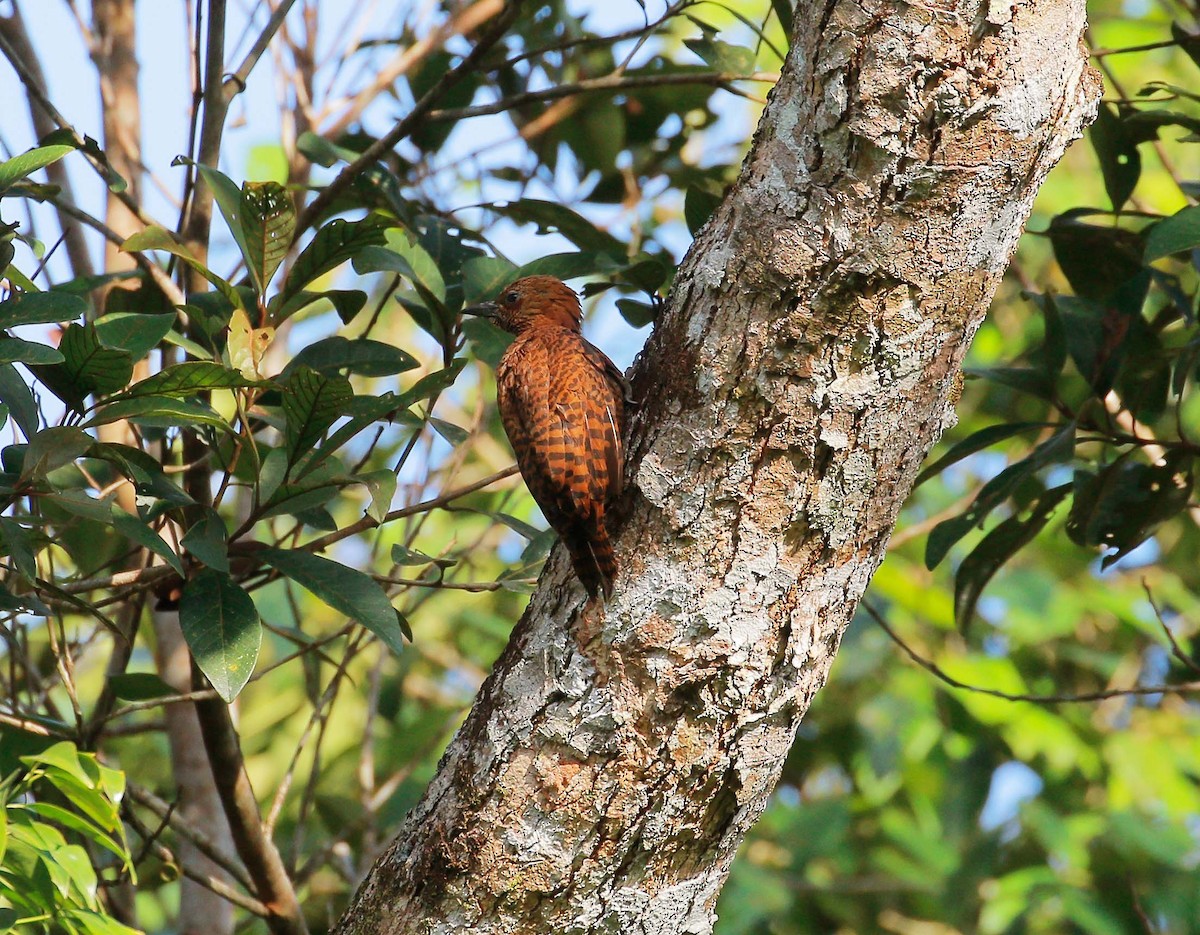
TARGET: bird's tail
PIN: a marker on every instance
(593, 558)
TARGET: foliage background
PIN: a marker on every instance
(908, 805)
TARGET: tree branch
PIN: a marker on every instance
(409, 121)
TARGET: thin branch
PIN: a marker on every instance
(322, 543)
(235, 83)
(409, 121)
(934, 669)
(1176, 649)
(166, 812)
(614, 82)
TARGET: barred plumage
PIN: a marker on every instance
(562, 402)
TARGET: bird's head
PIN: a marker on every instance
(532, 302)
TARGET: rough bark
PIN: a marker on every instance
(806, 363)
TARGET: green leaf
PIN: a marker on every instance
(638, 314)
(53, 448)
(454, 434)
(432, 384)
(159, 412)
(381, 485)
(39, 308)
(138, 531)
(311, 403)
(403, 256)
(402, 555)
(1022, 379)
(20, 547)
(140, 686)
(268, 219)
(552, 218)
(156, 238)
(1058, 448)
(362, 356)
(723, 56)
(362, 411)
(188, 379)
(996, 548)
(345, 590)
(222, 629)
(15, 393)
(977, 441)
(346, 302)
(89, 367)
(484, 277)
(332, 245)
(28, 352)
(138, 334)
(1120, 162)
(207, 540)
(1178, 233)
(29, 162)
(1120, 506)
(783, 12)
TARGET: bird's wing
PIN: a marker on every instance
(540, 430)
(612, 397)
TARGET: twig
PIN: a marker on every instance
(590, 85)
(235, 83)
(934, 669)
(1176, 649)
(323, 542)
(405, 125)
(166, 813)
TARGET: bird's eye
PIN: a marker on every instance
(511, 298)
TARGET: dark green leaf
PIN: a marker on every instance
(88, 367)
(1058, 448)
(52, 448)
(1189, 42)
(160, 412)
(222, 629)
(381, 485)
(346, 302)
(140, 686)
(38, 308)
(188, 379)
(15, 394)
(138, 531)
(362, 356)
(402, 555)
(638, 314)
(1120, 162)
(1023, 379)
(20, 547)
(1177, 234)
(311, 403)
(332, 245)
(344, 589)
(137, 334)
(156, 238)
(454, 434)
(783, 12)
(1121, 506)
(207, 541)
(268, 219)
(1095, 260)
(984, 438)
(432, 384)
(552, 218)
(723, 56)
(996, 548)
(27, 352)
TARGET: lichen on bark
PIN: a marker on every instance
(804, 366)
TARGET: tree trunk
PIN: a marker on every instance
(806, 363)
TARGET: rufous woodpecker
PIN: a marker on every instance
(562, 402)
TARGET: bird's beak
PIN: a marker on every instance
(482, 310)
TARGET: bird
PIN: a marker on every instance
(562, 402)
